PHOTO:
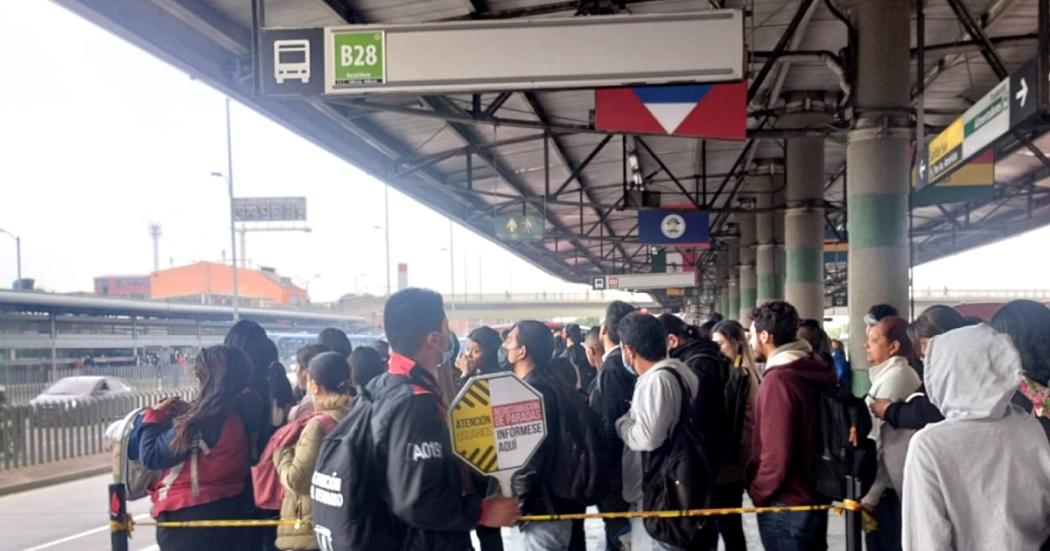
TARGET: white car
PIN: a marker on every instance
(71, 389)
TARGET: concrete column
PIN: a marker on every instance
(748, 281)
(779, 254)
(733, 260)
(767, 285)
(877, 178)
(723, 278)
(804, 216)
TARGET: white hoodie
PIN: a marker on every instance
(980, 479)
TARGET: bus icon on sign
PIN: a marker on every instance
(291, 60)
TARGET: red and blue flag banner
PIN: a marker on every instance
(717, 111)
(674, 227)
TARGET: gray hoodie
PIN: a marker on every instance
(655, 408)
(980, 479)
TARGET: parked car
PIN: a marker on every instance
(71, 389)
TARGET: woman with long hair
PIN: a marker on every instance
(365, 364)
(741, 391)
(203, 449)
(1028, 324)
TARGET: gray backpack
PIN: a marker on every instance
(127, 469)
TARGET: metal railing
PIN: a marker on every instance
(37, 434)
(981, 294)
(22, 383)
(522, 298)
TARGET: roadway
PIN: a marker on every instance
(67, 517)
(73, 517)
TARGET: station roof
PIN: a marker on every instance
(419, 144)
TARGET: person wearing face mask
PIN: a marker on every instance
(890, 354)
(530, 349)
(656, 408)
(426, 499)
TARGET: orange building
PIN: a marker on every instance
(212, 283)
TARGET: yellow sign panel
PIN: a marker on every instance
(473, 437)
(948, 140)
(497, 422)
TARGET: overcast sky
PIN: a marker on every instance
(99, 139)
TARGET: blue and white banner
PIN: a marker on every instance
(674, 227)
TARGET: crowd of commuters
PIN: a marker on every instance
(963, 458)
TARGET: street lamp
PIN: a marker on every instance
(233, 237)
(386, 233)
(18, 251)
(306, 285)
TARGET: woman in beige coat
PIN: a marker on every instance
(329, 383)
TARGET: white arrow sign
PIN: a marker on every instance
(1022, 94)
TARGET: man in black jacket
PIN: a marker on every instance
(424, 483)
(611, 399)
(577, 357)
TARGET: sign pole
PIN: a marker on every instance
(118, 512)
(233, 224)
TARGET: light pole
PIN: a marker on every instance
(357, 288)
(306, 285)
(18, 252)
(386, 230)
(233, 227)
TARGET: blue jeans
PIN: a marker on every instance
(546, 536)
(794, 531)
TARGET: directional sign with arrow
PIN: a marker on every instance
(519, 227)
(1024, 85)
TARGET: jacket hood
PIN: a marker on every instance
(796, 359)
(789, 352)
(695, 347)
(972, 373)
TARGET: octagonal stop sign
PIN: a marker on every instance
(497, 423)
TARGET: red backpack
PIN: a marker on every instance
(266, 485)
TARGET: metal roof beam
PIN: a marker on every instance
(443, 104)
(561, 150)
(973, 28)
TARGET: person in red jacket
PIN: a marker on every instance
(203, 450)
(786, 431)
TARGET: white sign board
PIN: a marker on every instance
(651, 281)
(269, 209)
(525, 54)
(497, 423)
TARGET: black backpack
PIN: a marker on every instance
(347, 511)
(676, 477)
(844, 446)
(580, 471)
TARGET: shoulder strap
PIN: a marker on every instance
(685, 398)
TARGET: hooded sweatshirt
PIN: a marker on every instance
(895, 380)
(655, 408)
(980, 479)
(786, 426)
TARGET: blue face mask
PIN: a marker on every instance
(626, 364)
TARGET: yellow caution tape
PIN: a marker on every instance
(846, 505)
(129, 524)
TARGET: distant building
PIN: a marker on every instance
(123, 286)
(212, 283)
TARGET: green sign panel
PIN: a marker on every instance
(357, 57)
(519, 227)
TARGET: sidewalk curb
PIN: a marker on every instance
(53, 480)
